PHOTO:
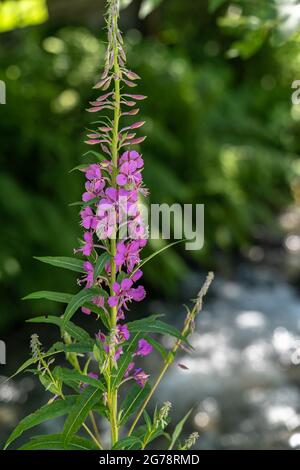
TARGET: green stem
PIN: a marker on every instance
(113, 394)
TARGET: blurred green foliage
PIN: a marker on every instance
(21, 13)
(221, 131)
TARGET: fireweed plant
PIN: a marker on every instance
(110, 265)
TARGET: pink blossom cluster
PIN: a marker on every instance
(105, 207)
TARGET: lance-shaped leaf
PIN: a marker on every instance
(77, 301)
(79, 348)
(73, 264)
(161, 349)
(128, 443)
(50, 411)
(91, 202)
(178, 430)
(73, 330)
(84, 404)
(155, 326)
(156, 253)
(49, 295)
(56, 442)
(134, 398)
(69, 376)
(81, 167)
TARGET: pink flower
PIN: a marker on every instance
(88, 246)
(127, 254)
(122, 333)
(88, 218)
(129, 174)
(101, 337)
(132, 156)
(124, 293)
(129, 369)
(140, 377)
(93, 172)
(144, 348)
(137, 275)
(89, 278)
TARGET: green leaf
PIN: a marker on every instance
(83, 166)
(56, 442)
(178, 430)
(98, 155)
(49, 295)
(127, 443)
(32, 361)
(99, 311)
(147, 420)
(147, 7)
(155, 326)
(100, 264)
(46, 412)
(78, 300)
(133, 400)
(125, 359)
(161, 250)
(70, 375)
(73, 330)
(84, 404)
(84, 204)
(73, 264)
(159, 347)
(80, 347)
